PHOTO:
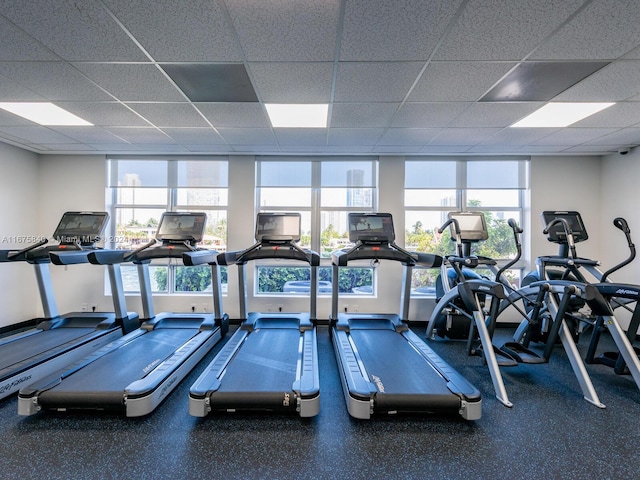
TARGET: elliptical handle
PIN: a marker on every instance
(516, 235)
(456, 228)
(621, 224)
(514, 226)
(567, 231)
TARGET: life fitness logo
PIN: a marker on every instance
(11, 385)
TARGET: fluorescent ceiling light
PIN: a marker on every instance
(289, 115)
(559, 114)
(43, 113)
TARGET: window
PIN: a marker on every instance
(140, 190)
(323, 191)
(435, 187)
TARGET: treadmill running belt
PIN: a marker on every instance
(38, 343)
(394, 366)
(266, 362)
(105, 379)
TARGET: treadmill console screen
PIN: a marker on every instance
(371, 228)
(473, 226)
(84, 227)
(280, 227)
(181, 226)
(557, 234)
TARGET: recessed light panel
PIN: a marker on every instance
(212, 82)
(44, 113)
(288, 115)
(540, 81)
(560, 114)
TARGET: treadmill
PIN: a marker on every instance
(58, 340)
(135, 373)
(384, 367)
(271, 361)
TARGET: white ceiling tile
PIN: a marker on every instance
(458, 81)
(625, 136)
(395, 149)
(195, 136)
(377, 30)
(445, 149)
(169, 114)
(105, 113)
(132, 82)
(141, 135)
(36, 134)
(375, 82)
(292, 82)
(503, 30)
(345, 115)
(17, 46)
(11, 91)
(252, 149)
(463, 136)
(408, 136)
(272, 30)
(76, 31)
(208, 38)
(248, 136)
(500, 114)
(613, 22)
(354, 136)
(595, 149)
(574, 136)
(609, 84)
(88, 134)
(241, 114)
(428, 114)
(301, 136)
(618, 115)
(53, 80)
(518, 136)
(68, 147)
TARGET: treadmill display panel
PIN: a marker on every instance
(371, 228)
(473, 226)
(181, 226)
(280, 227)
(83, 227)
(557, 233)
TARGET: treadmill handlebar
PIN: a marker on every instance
(70, 258)
(363, 251)
(11, 255)
(261, 251)
(107, 257)
(200, 257)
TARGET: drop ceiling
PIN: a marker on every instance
(400, 77)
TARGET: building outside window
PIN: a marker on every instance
(140, 190)
(323, 191)
(435, 187)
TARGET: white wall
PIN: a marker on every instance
(620, 194)
(565, 183)
(18, 218)
(78, 183)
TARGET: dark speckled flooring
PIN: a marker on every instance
(551, 432)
